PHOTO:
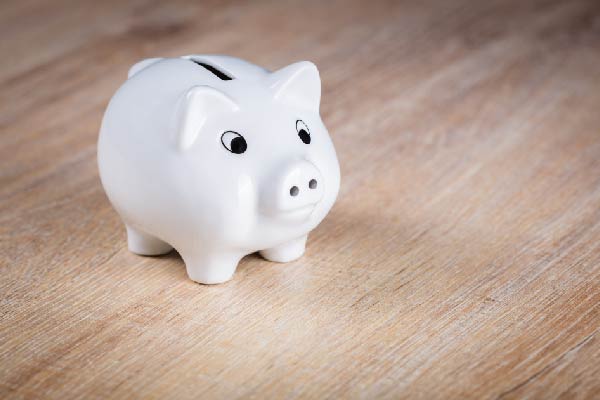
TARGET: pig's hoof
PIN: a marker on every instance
(211, 269)
(286, 252)
(144, 244)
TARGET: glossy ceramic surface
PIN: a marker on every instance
(218, 158)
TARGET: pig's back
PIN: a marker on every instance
(144, 105)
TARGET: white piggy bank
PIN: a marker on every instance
(218, 158)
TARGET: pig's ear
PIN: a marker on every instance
(199, 104)
(297, 84)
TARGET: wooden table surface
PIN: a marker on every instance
(462, 259)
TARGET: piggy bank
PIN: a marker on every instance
(218, 158)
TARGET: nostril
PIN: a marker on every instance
(294, 191)
(312, 184)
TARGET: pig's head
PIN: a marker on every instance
(267, 169)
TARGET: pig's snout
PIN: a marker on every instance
(294, 191)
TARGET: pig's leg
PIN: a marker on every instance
(288, 251)
(210, 267)
(144, 244)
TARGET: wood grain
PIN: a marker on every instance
(462, 259)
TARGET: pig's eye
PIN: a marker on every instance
(303, 132)
(234, 142)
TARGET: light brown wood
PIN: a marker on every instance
(462, 259)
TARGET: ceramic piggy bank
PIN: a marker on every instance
(218, 158)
